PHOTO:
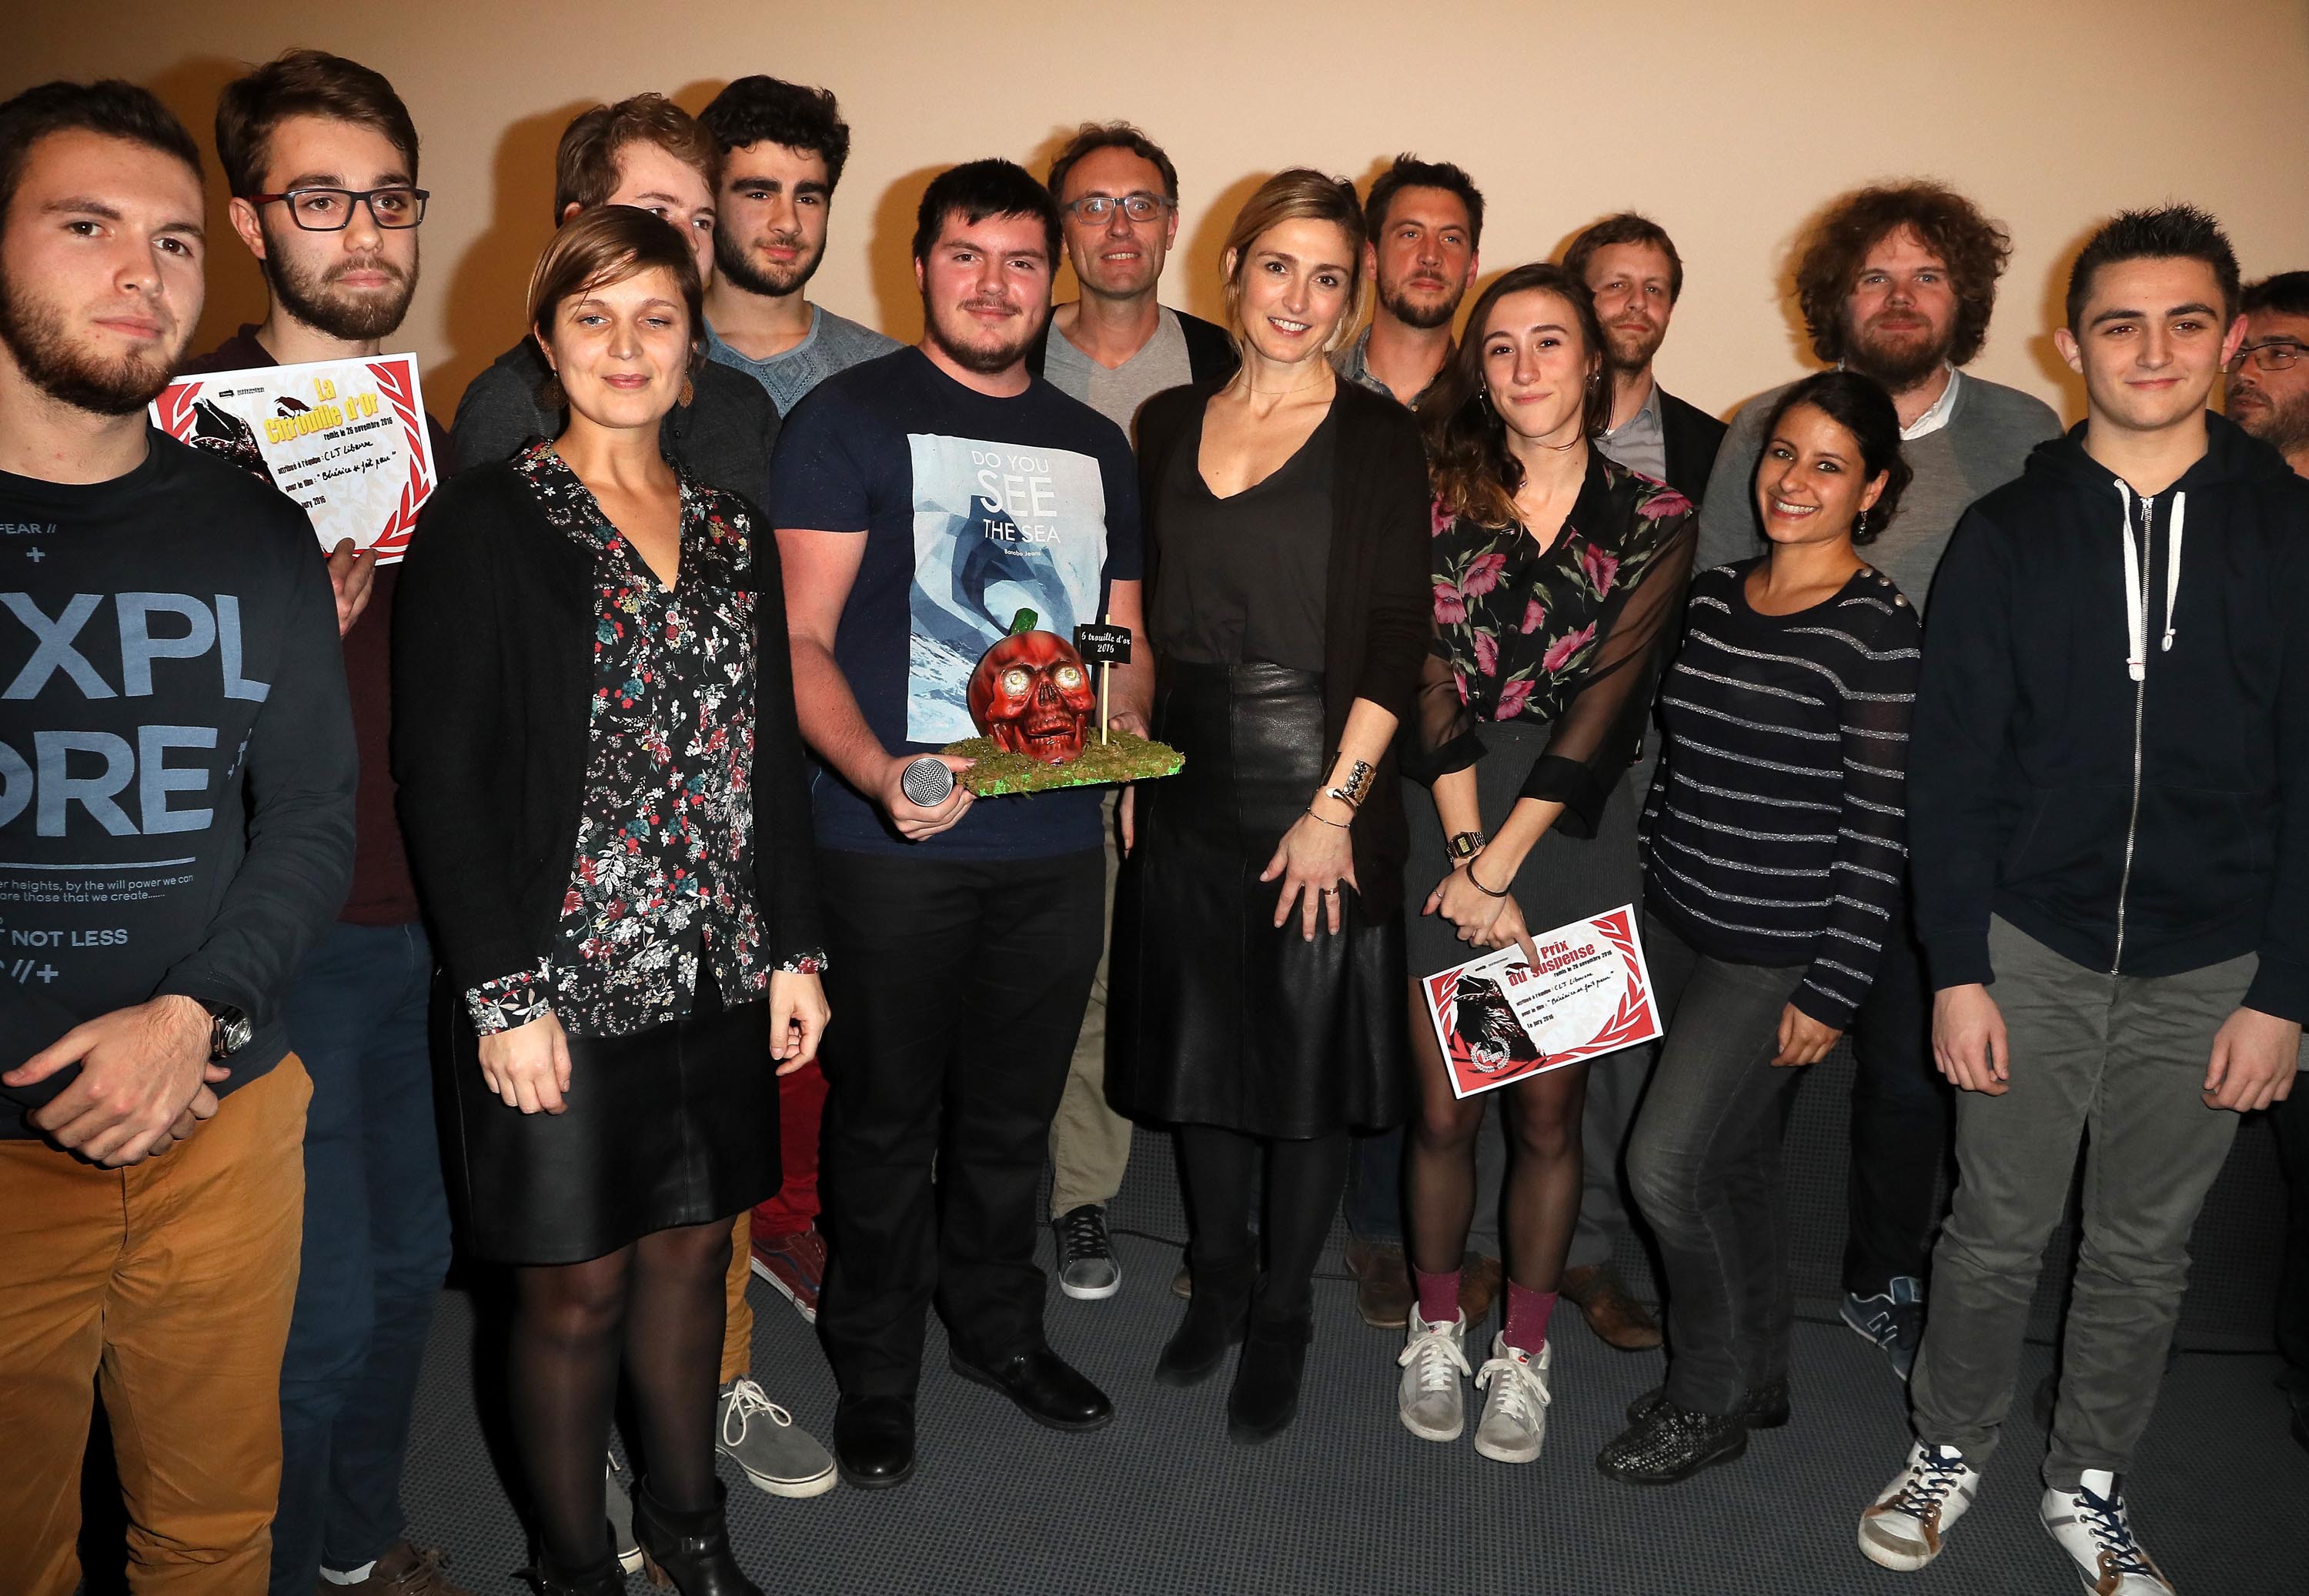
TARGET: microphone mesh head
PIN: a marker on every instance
(926, 780)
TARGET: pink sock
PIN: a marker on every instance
(1527, 1312)
(1438, 1296)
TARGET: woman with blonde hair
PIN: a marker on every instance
(1260, 969)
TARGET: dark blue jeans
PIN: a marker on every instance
(376, 1246)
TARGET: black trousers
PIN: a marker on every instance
(2292, 1122)
(957, 990)
(1903, 1124)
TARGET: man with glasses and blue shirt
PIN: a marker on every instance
(1113, 349)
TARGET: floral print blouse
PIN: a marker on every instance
(1572, 635)
(662, 889)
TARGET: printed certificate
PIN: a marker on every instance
(1500, 1019)
(346, 439)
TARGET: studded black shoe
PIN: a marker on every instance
(1673, 1443)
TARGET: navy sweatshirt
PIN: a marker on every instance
(2111, 749)
(176, 760)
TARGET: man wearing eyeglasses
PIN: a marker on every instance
(321, 158)
(1114, 348)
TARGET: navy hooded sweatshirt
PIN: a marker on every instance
(2111, 746)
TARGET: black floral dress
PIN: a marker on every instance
(1541, 676)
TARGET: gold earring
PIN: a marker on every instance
(688, 391)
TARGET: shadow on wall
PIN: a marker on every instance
(890, 250)
(236, 285)
(1197, 268)
(2053, 312)
(487, 291)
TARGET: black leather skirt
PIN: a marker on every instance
(672, 1125)
(1217, 1017)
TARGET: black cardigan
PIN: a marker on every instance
(492, 676)
(1690, 437)
(1379, 610)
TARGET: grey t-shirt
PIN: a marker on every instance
(1990, 431)
(1160, 363)
(833, 343)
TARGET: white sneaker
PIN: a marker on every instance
(2093, 1528)
(1902, 1528)
(1514, 1413)
(1434, 1363)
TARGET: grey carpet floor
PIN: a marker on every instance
(1347, 1502)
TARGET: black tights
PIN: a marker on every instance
(1543, 1168)
(656, 1307)
(1305, 1180)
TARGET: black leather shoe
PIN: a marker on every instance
(605, 1578)
(1216, 1319)
(691, 1551)
(1264, 1397)
(1044, 1385)
(1767, 1406)
(1673, 1443)
(874, 1441)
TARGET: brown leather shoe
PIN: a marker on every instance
(1614, 1315)
(1479, 1286)
(407, 1570)
(1382, 1283)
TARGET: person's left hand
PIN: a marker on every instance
(352, 572)
(798, 1018)
(1315, 861)
(2254, 1056)
(1802, 1040)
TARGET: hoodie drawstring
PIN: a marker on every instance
(2136, 603)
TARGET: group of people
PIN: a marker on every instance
(561, 887)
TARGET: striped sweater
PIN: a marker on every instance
(1776, 832)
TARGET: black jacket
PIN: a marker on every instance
(1692, 437)
(1378, 611)
(724, 435)
(492, 681)
(2144, 824)
(1210, 352)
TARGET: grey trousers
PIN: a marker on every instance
(2117, 1062)
(1090, 1143)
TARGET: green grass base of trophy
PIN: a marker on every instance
(1122, 758)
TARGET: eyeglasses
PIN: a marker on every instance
(331, 210)
(1138, 207)
(2274, 354)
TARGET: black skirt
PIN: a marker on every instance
(1218, 1017)
(672, 1125)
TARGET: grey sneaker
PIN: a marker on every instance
(621, 1523)
(1434, 1362)
(1895, 1321)
(762, 1438)
(1087, 1271)
(1514, 1413)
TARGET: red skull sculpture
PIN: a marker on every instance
(1032, 694)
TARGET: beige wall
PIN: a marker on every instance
(1729, 120)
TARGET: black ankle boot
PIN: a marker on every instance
(691, 1551)
(1264, 1397)
(1214, 1322)
(604, 1578)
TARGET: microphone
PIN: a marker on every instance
(926, 780)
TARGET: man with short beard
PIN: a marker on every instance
(922, 500)
(320, 157)
(782, 150)
(1897, 283)
(1426, 219)
(1632, 267)
(176, 781)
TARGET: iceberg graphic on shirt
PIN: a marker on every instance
(997, 527)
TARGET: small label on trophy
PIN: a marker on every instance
(1103, 646)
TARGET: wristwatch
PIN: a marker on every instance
(229, 1030)
(1466, 845)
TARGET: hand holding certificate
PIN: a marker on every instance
(1501, 1018)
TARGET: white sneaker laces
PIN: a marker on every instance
(747, 1399)
(1931, 1479)
(1521, 1386)
(1437, 1354)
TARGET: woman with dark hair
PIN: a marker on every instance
(1557, 579)
(601, 783)
(1259, 960)
(1774, 839)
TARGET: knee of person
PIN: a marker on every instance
(1546, 1136)
(1447, 1127)
(1662, 1184)
(2132, 1263)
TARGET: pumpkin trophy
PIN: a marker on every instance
(1030, 694)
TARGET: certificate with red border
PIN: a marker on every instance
(346, 439)
(1500, 1019)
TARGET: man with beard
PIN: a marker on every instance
(1897, 283)
(783, 147)
(176, 778)
(1426, 218)
(964, 935)
(2269, 397)
(320, 157)
(1629, 264)
(1114, 348)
